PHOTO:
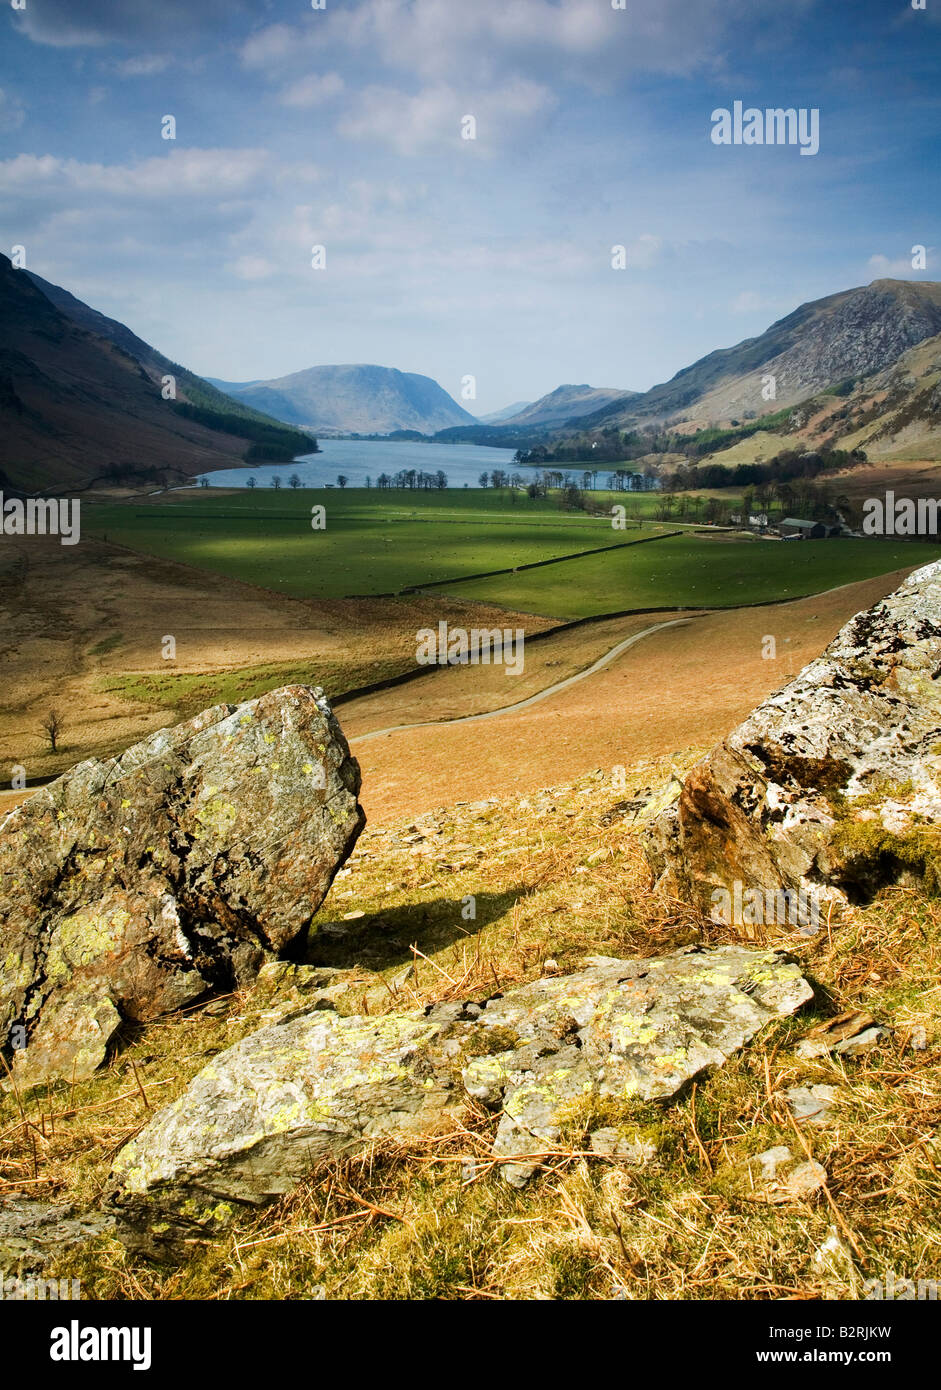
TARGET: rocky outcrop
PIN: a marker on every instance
(135, 885)
(34, 1233)
(317, 1086)
(832, 787)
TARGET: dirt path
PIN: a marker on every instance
(685, 685)
(550, 690)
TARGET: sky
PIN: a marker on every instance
(490, 258)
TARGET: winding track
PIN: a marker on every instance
(608, 656)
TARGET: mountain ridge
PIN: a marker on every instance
(78, 405)
(353, 397)
(852, 333)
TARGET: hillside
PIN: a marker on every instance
(853, 334)
(353, 399)
(80, 400)
(190, 389)
(893, 416)
(497, 417)
(569, 402)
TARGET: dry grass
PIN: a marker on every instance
(555, 876)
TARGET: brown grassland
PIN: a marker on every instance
(557, 875)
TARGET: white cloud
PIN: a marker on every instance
(313, 90)
(210, 173)
(411, 123)
(482, 39)
(147, 65)
(883, 268)
(63, 24)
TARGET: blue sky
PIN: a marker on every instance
(491, 257)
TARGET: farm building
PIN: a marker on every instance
(808, 530)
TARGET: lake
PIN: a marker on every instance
(359, 459)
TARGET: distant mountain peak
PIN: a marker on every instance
(354, 398)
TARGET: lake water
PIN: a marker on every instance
(358, 459)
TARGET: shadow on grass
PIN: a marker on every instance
(384, 939)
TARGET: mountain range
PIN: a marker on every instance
(826, 342)
(858, 369)
(353, 399)
(81, 395)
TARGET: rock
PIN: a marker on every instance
(863, 1042)
(635, 1149)
(778, 1182)
(31, 1233)
(833, 1263)
(849, 1034)
(803, 1181)
(772, 1159)
(845, 1025)
(291, 988)
(832, 787)
(318, 1086)
(135, 885)
(811, 1103)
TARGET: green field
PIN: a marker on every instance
(374, 542)
(695, 570)
(381, 542)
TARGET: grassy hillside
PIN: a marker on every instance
(556, 876)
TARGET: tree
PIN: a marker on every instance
(342, 480)
(251, 482)
(483, 480)
(276, 482)
(204, 482)
(294, 480)
(52, 726)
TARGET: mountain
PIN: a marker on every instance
(825, 342)
(897, 413)
(190, 388)
(892, 415)
(570, 402)
(353, 399)
(497, 417)
(80, 399)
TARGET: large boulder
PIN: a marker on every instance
(831, 789)
(316, 1086)
(134, 885)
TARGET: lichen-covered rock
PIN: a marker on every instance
(832, 787)
(134, 885)
(262, 1114)
(33, 1233)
